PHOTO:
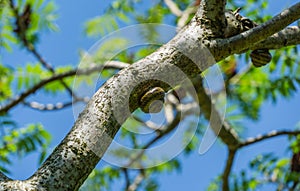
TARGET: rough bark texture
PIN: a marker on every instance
(75, 157)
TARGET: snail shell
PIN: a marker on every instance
(152, 101)
(260, 57)
(247, 24)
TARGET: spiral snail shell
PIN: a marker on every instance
(260, 57)
(152, 101)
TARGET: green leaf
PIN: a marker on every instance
(99, 26)
(23, 141)
(282, 162)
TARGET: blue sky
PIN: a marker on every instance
(62, 49)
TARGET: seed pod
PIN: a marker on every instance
(260, 57)
(152, 101)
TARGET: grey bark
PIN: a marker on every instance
(76, 156)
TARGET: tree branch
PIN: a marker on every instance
(173, 7)
(185, 16)
(39, 57)
(54, 107)
(166, 131)
(227, 170)
(20, 31)
(137, 181)
(77, 155)
(269, 135)
(149, 124)
(127, 180)
(287, 37)
(85, 71)
(107, 110)
(221, 127)
(245, 40)
(211, 17)
(3, 177)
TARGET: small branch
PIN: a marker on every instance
(227, 170)
(287, 37)
(245, 40)
(170, 102)
(84, 71)
(163, 131)
(173, 7)
(54, 107)
(98, 124)
(185, 16)
(127, 180)
(221, 127)
(137, 181)
(38, 56)
(148, 124)
(236, 78)
(21, 30)
(272, 134)
(169, 128)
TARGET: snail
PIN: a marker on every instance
(152, 101)
(260, 57)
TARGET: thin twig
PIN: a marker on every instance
(173, 7)
(127, 180)
(236, 78)
(169, 128)
(185, 16)
(269, 135)
(137, 181)
(148, 124)
(33, 50)
(21, 34)
(54, 107)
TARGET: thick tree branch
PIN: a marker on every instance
(272, 134)
(42, 83)
(3, 177)
(290, 15)
(83, 147)
(211, 16)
